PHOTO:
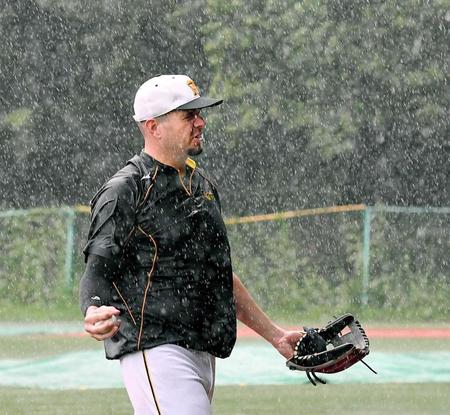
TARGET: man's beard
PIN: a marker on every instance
(195, 151)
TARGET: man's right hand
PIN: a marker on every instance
(99, 322)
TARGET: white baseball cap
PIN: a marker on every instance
(166, 93)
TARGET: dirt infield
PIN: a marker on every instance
(379, 332)
(75, 329)
(372, 332)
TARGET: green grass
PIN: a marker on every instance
(35, 346)
(65, 310)
(334, 399)
(373, 399)
(24, 401)
(399, 399)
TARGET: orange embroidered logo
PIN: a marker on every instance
(194, 88)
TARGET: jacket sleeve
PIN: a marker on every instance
(96, 284)
(112, 219)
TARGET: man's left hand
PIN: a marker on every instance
(286, 343)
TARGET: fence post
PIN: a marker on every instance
(366, 255)
(70, 243)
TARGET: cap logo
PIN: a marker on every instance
(194, 88)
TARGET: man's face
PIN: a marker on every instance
(183, 132)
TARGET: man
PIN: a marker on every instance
(158, 286)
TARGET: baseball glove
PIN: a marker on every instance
(330, 349)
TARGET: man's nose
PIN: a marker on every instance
(199, 121)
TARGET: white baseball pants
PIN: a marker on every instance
(169, 380)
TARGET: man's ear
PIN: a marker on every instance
(152, 127)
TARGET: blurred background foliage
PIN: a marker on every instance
(325, 102)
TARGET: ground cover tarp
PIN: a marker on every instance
(251, 363)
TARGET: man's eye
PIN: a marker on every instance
(190, 115)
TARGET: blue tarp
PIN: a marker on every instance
(251, 363)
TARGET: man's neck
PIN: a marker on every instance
(179, 165)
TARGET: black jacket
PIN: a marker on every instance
(168, 241)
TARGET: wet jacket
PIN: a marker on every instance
(168, 240)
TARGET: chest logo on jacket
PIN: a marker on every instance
(208, 196)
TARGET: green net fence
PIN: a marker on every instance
(319, 262)
(379, 258)
(41, 254)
